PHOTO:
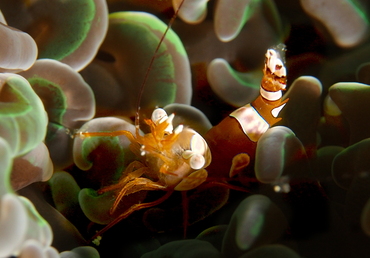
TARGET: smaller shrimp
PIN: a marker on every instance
(169, 160)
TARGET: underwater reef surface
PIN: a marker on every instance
(243, 132)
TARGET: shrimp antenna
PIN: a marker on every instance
(137, 120)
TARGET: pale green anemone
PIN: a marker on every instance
(68, 31)
(21, 226)
(193, 11)
(123, 60)
(18, 50)
(311, 172)
(68, 100)
(233, 87)
(23, 117)
(345, 20)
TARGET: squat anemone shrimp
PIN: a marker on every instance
(235, 150)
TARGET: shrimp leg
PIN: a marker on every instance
(129, 211)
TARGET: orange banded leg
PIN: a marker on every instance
(136, 185)
(134, 170)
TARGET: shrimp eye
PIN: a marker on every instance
(279, 69)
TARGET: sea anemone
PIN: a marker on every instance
(79, 80)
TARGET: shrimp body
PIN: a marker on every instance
(233, 141)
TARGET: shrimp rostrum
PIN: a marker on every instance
(168, 159)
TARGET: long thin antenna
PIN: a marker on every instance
(137, 119)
